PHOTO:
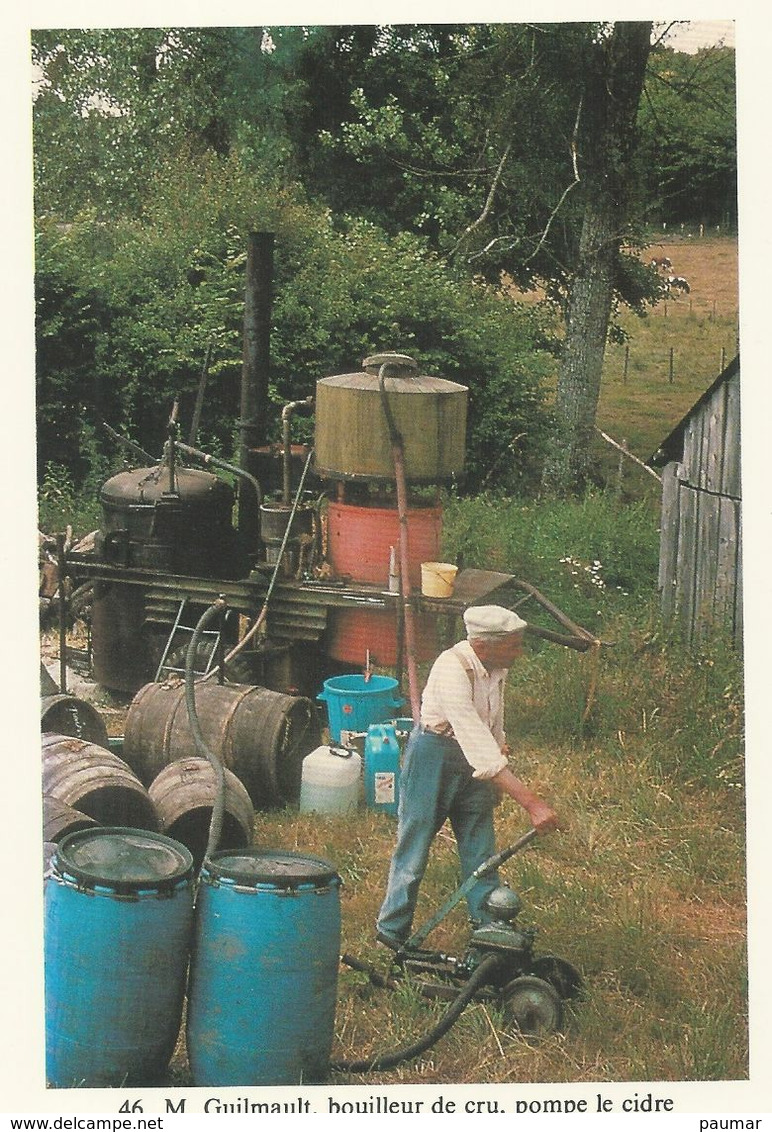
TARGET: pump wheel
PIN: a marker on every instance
(559, 973)
(532, 1006)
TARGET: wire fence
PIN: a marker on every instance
(677, 306)
(625, 364)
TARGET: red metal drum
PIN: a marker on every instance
(359, 541)
(352, 633)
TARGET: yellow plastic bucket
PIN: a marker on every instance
(437, 578)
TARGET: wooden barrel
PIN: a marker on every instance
(260, 735)
(59, 819)
(184, 794)
(67, 715)
(99, 784)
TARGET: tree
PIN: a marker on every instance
(508, 148)
(616, 65)
(460, 133)
(512, 148)
(112, 104)
(688, 126)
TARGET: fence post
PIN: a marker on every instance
(723, 359)
(671, 364)
(627, 362)
(621, 467)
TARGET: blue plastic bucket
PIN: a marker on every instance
(118, 927)
(264, 971)
(353, 702)
(382, 768)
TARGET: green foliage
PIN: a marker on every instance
(587, 556)
(457, 132)
(61, 504)
(486, 141)
(126, 314)
(113, 102)
(698, 725)
(688, 137)
(645, 697)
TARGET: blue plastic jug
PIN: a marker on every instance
(382, 759)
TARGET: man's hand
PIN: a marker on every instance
(543, 817)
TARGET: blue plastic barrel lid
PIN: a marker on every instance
(123, 859)
(279, 867)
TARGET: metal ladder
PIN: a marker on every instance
(212, 635)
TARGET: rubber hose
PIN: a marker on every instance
(218, 808)
(258, 622)
(388, 1060)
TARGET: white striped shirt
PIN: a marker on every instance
(462, 696)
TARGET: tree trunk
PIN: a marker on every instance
(615, 82)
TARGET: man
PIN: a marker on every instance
(455, 768)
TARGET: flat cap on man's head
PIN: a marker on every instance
(491, 621)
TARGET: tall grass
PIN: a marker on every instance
(588, 556)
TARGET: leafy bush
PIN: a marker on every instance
(126, 314)
(61, 505)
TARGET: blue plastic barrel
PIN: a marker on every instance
(118, 929)
(382, 767)
(264, 971)
(354, 702)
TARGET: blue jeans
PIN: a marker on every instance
(437, 784)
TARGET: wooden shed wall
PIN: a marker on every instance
(700, 568)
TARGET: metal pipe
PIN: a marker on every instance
(61, 567)
(398, 454)
(218, 808)
(188, 450)
(200, 395)
(257, 624)
(169, 456)
(286, 413)
(132, 447)
(256, 362)
(487, 866)
(216, 462)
